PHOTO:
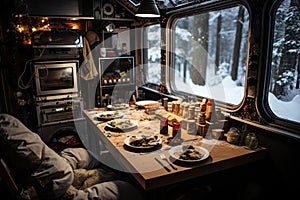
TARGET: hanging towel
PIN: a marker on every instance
(87, 69)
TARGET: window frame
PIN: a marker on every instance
(190, 11)
(268, 117)
(145, 55)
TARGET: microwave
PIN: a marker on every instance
(55, 77)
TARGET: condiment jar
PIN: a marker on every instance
(191, 112)
(176, 107)
(185, 108)
(176, 132)
(164, 126)
(191, 126)
(251, 141)
(233, 135)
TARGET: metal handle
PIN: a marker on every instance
(166, 168)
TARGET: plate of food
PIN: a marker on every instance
(188, 153)
(144, 103)
(122, 124)
(119, 106)
(143, 141)
(109, 115)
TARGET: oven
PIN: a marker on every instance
(56, 85)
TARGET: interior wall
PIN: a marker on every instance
(284, 158)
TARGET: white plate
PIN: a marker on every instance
(176, 151)
(118, 106)
(108, 115)
(122, 124)
(127, 141)
(144, 103)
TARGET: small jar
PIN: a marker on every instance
(233, 135)
(191, 127)
(184, 124)
(197, 112)
(185, 108)
(175, 107)
(251, 141)
(191, 112)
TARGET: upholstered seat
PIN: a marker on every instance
(27, 161)
(32, 170)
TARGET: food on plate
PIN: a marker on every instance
(148, 103)
(189, 153)
(118, 106)
(108, 114)
(174, 141)
(144, 141)
(120, 124)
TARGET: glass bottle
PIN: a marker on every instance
(176, 132)
(164, 126)
(165, 103)
(208, 111)
(201, 118)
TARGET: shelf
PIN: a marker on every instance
(116, 19)
(117, 85)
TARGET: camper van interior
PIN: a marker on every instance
(149, 99)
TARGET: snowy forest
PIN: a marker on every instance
(285, 75)
(210, 50)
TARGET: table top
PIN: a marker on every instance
(145, 168)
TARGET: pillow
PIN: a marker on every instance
(28, 155)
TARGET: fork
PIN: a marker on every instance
(163, 157)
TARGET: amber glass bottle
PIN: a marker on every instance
(208, 111)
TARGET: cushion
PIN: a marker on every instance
(28, 155)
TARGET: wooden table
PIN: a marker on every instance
(147, 171)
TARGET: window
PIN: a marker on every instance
(210, 54)
(152, 68)
(284, 89)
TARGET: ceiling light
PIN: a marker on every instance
(148, 8)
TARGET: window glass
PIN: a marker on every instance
(152, 40)
(210, 54)
(284, 92)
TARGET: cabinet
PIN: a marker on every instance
(112, 10)
(114, 22)
(117, 80)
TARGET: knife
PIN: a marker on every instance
(166, 168)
